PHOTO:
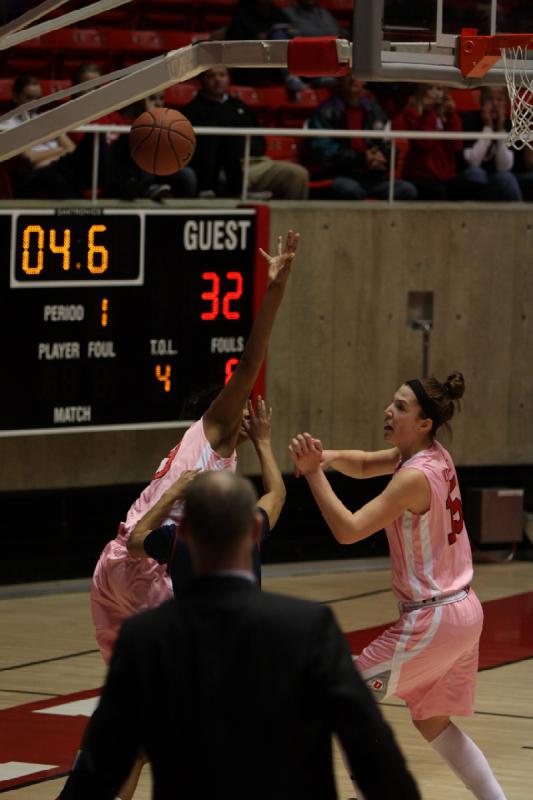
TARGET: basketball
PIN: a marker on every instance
(162, 141)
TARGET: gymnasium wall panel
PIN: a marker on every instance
(342, 344)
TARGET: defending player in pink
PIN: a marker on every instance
(429, 657)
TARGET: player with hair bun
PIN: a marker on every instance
(429, 657)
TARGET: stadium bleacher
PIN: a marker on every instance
(143, 29)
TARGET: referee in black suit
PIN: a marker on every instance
(233, 692)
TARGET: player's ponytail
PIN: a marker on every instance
(444, 398)
(454, 385)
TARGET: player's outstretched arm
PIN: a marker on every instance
(407, 490)
(258, 427)
(155, 516)
(360, 463)
(222, 420)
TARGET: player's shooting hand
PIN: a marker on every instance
(306, 452)
(257, 424)
(279, 265)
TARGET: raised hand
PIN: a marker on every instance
(279, 265)
(177, 489)
(306, 452)
(257, 424)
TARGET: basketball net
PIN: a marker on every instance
(520, 89)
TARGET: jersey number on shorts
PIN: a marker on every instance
(455, 507)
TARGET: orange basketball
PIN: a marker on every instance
(162, 141)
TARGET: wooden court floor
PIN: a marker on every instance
(48, 649)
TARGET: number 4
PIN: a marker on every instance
(164, 377)
(455, 507)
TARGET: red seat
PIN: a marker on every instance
(177, 39)
(466, 99)
(176, 14)
(248, 95)
(28, 58)
(180, 94)
(214, 14)
(132, 46)
(6, 89)
(283, 148)
(72, 47)
(92, 40)
(125, 16)
(51, 85)
(294, 113)
(6, 190)
(253, 98)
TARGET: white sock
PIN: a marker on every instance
(468, 763)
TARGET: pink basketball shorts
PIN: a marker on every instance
(429, 658)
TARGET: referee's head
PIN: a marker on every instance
(220, 522)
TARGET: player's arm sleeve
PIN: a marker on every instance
(376, 762)
(158, 543)
(112, 739)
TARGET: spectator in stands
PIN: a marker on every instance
(358, 167)
(431, 164)
(55, 169)
(128, 180)
(309, 19)
(214, 155)
(262, 19)
(487, 174)
(88, 72)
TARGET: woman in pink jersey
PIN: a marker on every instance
(429, 657)
(123, 585)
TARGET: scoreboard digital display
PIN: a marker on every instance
(112, 318)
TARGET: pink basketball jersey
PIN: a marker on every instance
(193, 452)
(430, 552)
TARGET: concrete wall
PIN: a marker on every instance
(342, 345)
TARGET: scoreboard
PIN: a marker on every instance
(112, 318)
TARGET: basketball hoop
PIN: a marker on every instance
(520, 89)
(478, 54)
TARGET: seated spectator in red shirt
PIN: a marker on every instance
(359, 167)
(431, 164)
(55, 169)
(487, 174)
(221, 156)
